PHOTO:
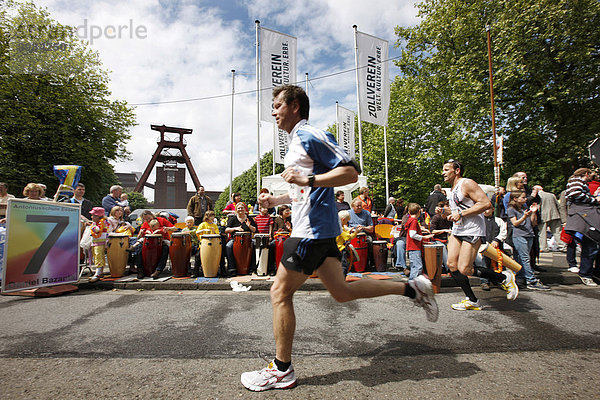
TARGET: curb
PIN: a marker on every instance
(555, 263)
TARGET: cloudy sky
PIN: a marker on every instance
(186, 49)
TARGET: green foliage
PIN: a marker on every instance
(245, 183)
(55, 104)
(137, 200)
(546, 57)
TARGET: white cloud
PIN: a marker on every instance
(186, 50)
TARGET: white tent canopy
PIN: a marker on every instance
(278, 186)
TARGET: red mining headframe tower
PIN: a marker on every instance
(170, 190)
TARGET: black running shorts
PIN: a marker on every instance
(306, 255)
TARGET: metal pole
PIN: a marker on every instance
(306, 82)
(231, 135)
(257, 22)
(496, 167)
(358, 98)
(337, 121)
(385, 152)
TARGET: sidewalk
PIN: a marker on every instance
(555, 263)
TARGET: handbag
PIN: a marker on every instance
(565, 237)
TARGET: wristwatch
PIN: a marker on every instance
(311, 180)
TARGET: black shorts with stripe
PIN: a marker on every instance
(306, 255)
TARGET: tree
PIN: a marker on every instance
(55, 104)
(245, 183)
(137, 200)
(546, 57)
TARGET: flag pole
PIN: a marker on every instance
(385, 152)
(337, 121)
(231, 135)
(257, 22)
(496, 166)
(306, 82)
(358, 98)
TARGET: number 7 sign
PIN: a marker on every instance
(42, 244)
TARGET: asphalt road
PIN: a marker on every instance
(195, 344)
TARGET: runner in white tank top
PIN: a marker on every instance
(472, 225)
(467, 204)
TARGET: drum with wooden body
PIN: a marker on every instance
(433, 253)
(362, 248)
(116, 253)
(151, 252)
(280, 238)
(180, 252)
(242, 251)
(261, 246)
(380, 255)
(210, 254)
(489, 251)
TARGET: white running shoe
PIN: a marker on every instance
(467, 304)
(425, 297)
(509, 285)
(574, 270)
(269, 378)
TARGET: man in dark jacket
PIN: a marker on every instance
(434, 198)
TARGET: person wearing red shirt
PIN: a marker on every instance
(264, 221)
(165, 227)
(414, 241)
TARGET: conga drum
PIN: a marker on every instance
(261, 245)
(380, 255)
(116, 252)
(151, 252)
(242, 251)
(362, 248)
(280, 238)
(434, 256)
(180, 252)
(210, 254)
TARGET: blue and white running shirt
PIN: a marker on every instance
(313, 151)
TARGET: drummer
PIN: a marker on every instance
(117, 224)
(167, 227)
(264, 221)
(240, 222)
(207, 227)
(361, 218)
(191, 229)
(283, 222)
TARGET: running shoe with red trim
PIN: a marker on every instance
(269, 378)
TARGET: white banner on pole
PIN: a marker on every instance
(277, 66)
(374, 83)
(281, 144)
(499, 149)
(345, 126)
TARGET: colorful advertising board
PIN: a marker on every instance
(42, 244)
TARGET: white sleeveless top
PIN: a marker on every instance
(472, 225)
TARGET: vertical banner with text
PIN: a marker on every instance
(277, 67)
(373, 82)
(42, 244)
(345, 126)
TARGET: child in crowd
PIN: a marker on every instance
(99, 231)
(343, 240)
(414, 241)
(189, 227)
(264, 221)
(155, 229)
(207, 227)
(123, 200)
